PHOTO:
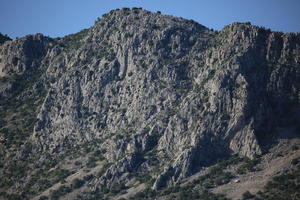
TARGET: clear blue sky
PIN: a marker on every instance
(57, 18)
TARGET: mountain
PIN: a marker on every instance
(149, 106)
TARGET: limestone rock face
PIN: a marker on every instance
(20, 55)
(163, 87)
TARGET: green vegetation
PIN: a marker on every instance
(99, 194)
(171, 111)
(7, 196)
(248, 165)
(45, 175)
(3, 38)
(198, 88)
(216, 175)
(103, 169)
(126, 10)
(211, 74)
(148, 193)
(43, 198)
(295, 161)
(187, 192)
(78, 163)
(154, 27)
(18, 115)
(150, 42)
(247, 195)
(91, 162)
(73, 41)
(136, 10)
(77, 183)
(198, 188)
(118, 188)
(61, 191)
(19, 127)
(88, 178)
(285, 186)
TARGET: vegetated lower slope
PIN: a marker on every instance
(143, 106)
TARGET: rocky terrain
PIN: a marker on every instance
(150, 106)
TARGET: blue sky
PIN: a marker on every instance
(57, 18)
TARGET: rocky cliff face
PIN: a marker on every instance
(158, 95)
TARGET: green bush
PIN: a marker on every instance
(73, 41)
(88, 177)
(295, 161)
(43, 198)
(285, 186)
(247, 195)
(60, 174)
(77, 183)
(91, 162)
(61, 191)
(118, 188)
(77, 163)
(248, 165)
(4, 38)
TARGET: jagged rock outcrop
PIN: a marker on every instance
(118, 172)
(20, 55)
(142, 82)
